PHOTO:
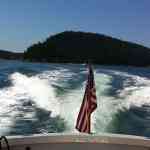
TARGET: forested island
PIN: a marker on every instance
(79, 47)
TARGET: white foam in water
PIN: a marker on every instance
(8, 109)
(25, 88)
(131, 96)
(138, 94)
(108, 105)
(105, 110)
(39, 90)
(70, 108)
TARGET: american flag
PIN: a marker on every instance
(89, 104)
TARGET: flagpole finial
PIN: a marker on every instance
(89, 64)
(89, 61)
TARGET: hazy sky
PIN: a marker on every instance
(23, 22)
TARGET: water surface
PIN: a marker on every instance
(45, 98)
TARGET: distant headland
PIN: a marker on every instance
(79, 47)
(4, 54)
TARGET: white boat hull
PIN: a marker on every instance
(78, 142)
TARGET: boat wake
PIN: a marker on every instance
(50, 101)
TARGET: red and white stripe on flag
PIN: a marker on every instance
(89, 104)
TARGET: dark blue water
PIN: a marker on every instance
(45, 98)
